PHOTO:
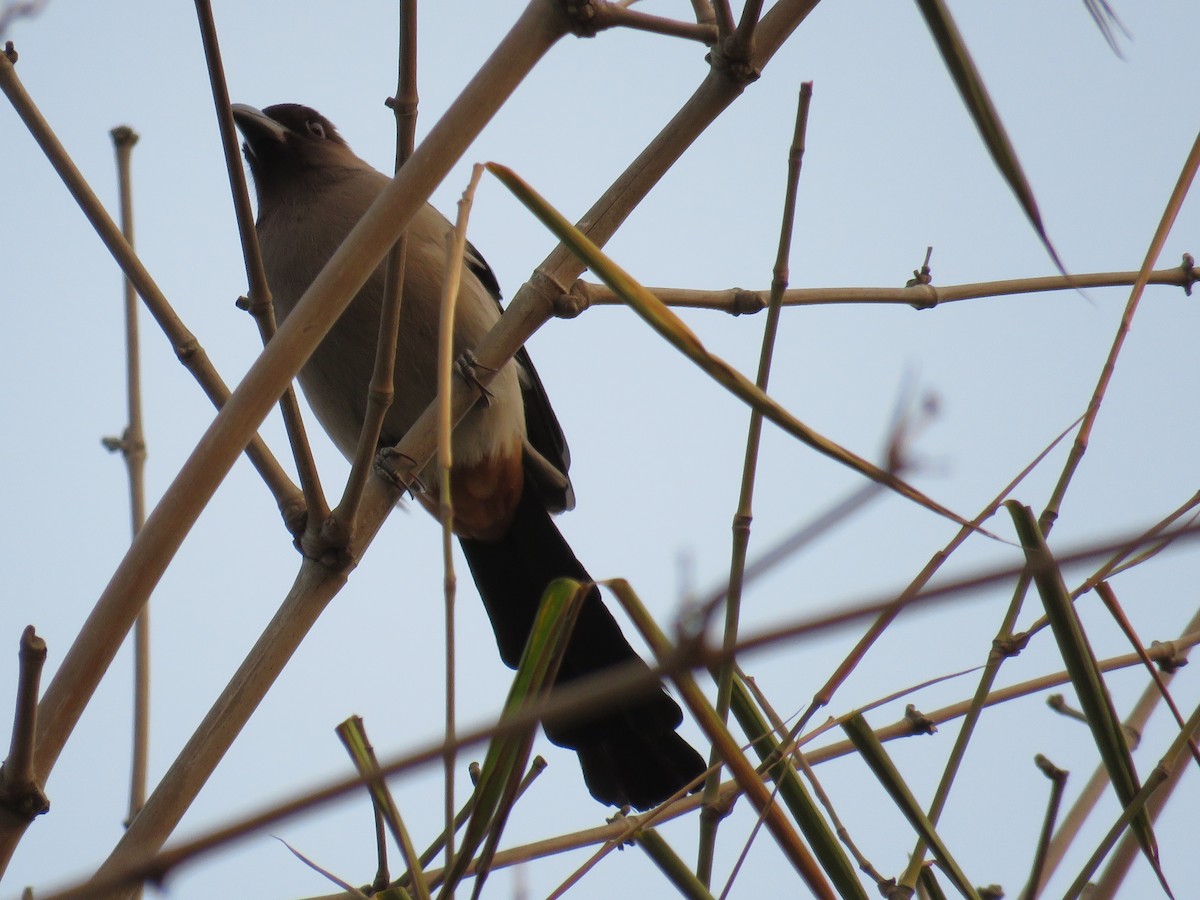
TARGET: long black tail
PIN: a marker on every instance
(630, 756)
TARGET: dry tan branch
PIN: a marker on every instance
(20, 791)
(739, 301)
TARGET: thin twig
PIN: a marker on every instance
(742, 301)
(1051, 512)
(456, 245)
(998, 653)
(1167, 220)
(339, 528)
(610, 15)
(258, 302)
(802, 762)
(133, 447)
(20, 793)
(713, 813)
(350, 889)
(731, 755)
(1058, 784)
(382, 872)
(536, 767)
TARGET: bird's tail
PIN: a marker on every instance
(631, 755)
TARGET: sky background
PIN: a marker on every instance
(893, 165)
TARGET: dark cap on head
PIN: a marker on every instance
(286, 140)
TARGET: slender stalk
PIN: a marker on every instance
(20, 794)
(770, 758)
(1182, 185)
(608, 15)
(1127, 557)
(1121, 561)
(1058, 784)
(382, 873)
(456, 245)
(741, 301)
(340, 525)
(259, 303)
(133, 448)
(710, 818)
(997, 654)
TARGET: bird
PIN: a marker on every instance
(511, 459)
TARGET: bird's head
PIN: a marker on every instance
(287, 141)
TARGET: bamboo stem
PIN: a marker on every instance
(259, 303)
(339, 528)
(20, 793)
(741, 301)
(743, 516)
(133, 448)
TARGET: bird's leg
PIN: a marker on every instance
(398, 469)
(467, 366)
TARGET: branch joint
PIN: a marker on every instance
(747, 302)
(1167, 656)
(124, 136)
(734, 61)
(581, 17)
(1190, 274)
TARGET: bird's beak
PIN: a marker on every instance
(256, 126)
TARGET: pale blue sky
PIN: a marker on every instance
(893, 165)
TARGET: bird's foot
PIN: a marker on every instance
(398, 469)
(468, 367)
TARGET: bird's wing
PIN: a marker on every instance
(548, 458)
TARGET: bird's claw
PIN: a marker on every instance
(467, 366)
(398, 469)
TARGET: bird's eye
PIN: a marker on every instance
(315, 128)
